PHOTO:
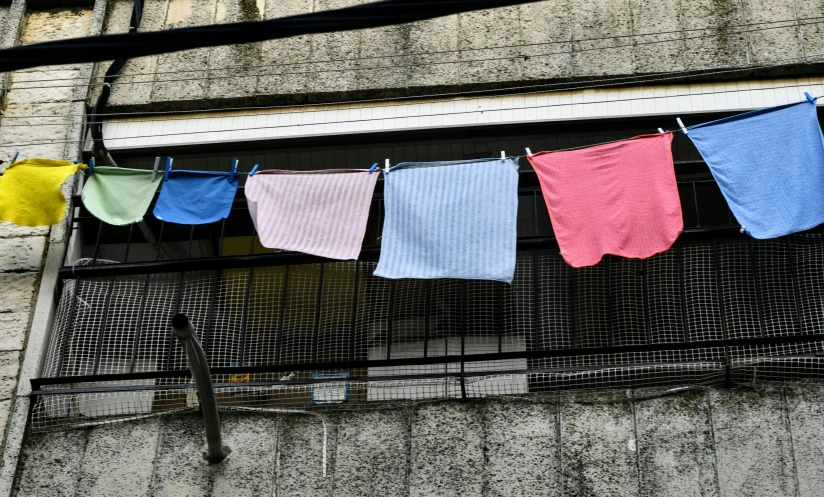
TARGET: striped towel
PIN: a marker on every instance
(322, 213)
(617, 198)
(451, 220)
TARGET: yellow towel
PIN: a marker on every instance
(30, 191)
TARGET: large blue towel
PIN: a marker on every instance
(450, 220)
(196, 197)
(769, 164)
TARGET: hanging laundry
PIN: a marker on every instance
(119, 196)
(30, 192)
(196, 197)
(450, 220)
(322, 213)
(769, 164)
(618, 198)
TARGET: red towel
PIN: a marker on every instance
(619, 198)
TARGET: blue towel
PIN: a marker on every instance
(196, 197)
(769, 164)
(450, 220)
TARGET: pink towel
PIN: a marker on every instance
(321, 213)
(619, 198)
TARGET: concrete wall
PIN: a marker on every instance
(386, 62)
(29, 256)
(23, 249)
(706, 442)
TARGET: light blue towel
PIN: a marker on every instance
(196, 197)
(450, 220)
(769, 164)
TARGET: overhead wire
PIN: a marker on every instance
(790, 23)
(355, 17)
(401, 66)
(413, 100)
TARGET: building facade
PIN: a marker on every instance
(694, 372)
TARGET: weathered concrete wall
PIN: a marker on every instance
(706, 442)
(4, 16)
(555, 41)
(23, 249)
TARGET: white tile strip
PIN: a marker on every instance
(284, 123)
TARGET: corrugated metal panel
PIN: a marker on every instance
(593, 103)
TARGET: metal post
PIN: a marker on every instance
(185, 332)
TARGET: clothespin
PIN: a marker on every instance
(14, 159)
(743, 228)
(503, 155)
(234, 165)
(528, 152)
(253, 171)
(681, 124)
(660, 130)
(91, 166)
(809, 97)
(168, 168)
(372, 169)
(386, 167)
(154, 169)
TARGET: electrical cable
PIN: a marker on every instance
(794, 23)
(621, 80)
(123, 46)
(395, 66)
(791, 23)
(99, 109)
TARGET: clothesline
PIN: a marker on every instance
(528, 152)
(458, 219)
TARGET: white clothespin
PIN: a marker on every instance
(743, 228)
(234, 165)
(154, 170)
(386, 168)
(660, 130)
(528, 152)
(503, 155)
(681, 124)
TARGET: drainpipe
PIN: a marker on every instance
(185, 332)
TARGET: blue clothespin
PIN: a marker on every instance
(234, 166)
(254, 170)
(91, 166)
(168, 168)
(809, 97)
(14, 159)
(372, 169)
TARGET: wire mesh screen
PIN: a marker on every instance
(669, 320)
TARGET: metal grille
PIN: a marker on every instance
(331, 335)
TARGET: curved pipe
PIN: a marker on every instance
(185, 332)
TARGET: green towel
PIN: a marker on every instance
(120, 196)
